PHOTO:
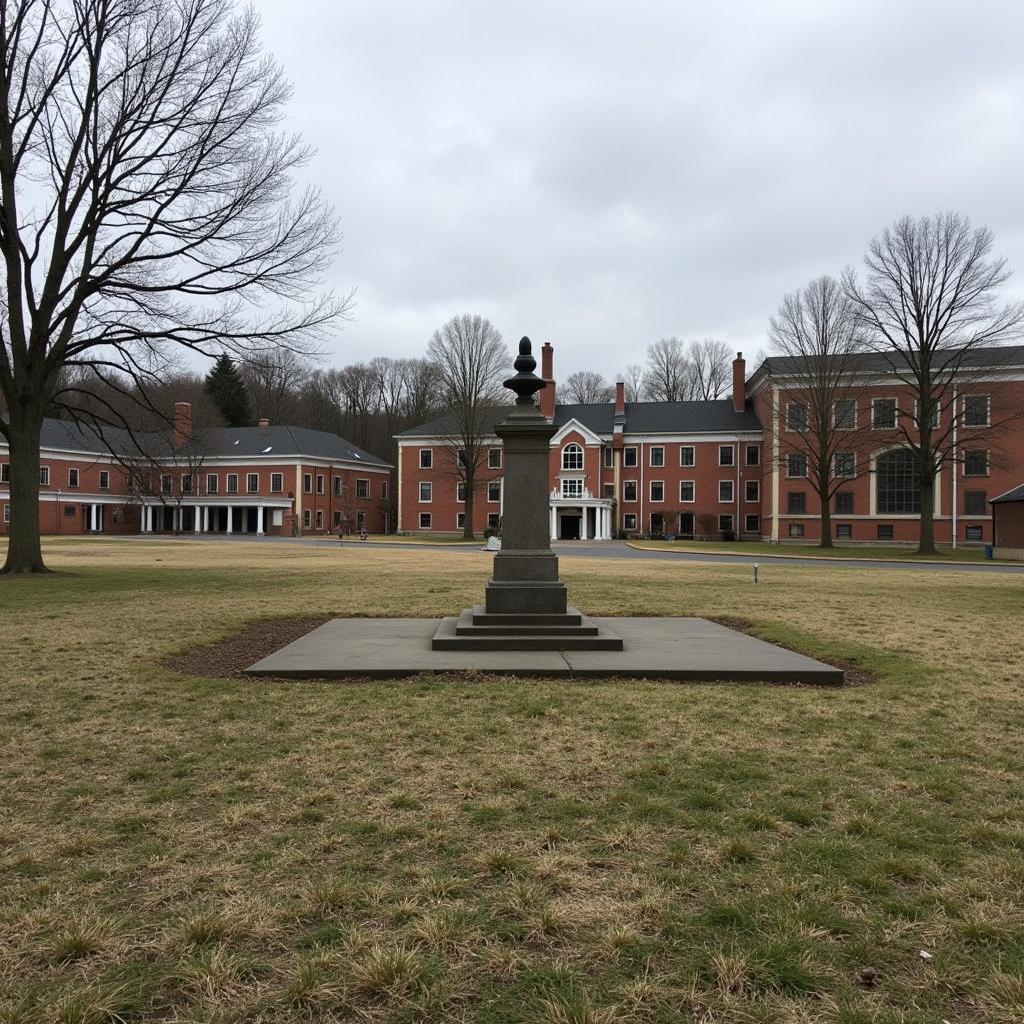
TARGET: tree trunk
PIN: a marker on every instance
(24, 551)
(467, 526)
(826, 525)
(926, 545)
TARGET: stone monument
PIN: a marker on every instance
(525, 604)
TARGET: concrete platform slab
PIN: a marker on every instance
(662, 648)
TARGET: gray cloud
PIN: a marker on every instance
(601, 175)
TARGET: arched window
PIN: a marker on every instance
(572, 457)
(897, 483)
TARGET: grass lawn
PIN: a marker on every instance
(754, 547)
(194, 849)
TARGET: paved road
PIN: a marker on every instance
(612, 549)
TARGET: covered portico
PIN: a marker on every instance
(204, 516)
(580, 518)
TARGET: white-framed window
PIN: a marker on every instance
(726, 493)
(307, 483)
(337, 517)
(494, 490)
(460, 456)
(166, 484)
(687, 455)
(493, 520)
(687, 491)
(213, 483)
(572, 488)
(629, 490)
(752, 523)
(753, 455)
(844, 464)
(796, 417)
(5, 472)
(426, 491)
(726, 455)
(973, 532)
(629, 459)
(629, 521)
(425, 520)
(725, 523)
(384, 490)
(338, 487)
(186, 483)
(72, 477)
(657, 490)
(319, 483)
(362, 487)
(44, 476)
(796, 464)
(252, 483)
(976, 462)
(276, 483)
(572, 456)
(844, 414)
(232, 484)
(319, 519)
(307, 518)
(460, 520)
(752, 490)
(609, 457)
(657, 455)
(7, 515)
(976, 410)
(460, 490)
(104, 479)
(884, 413)
(936, 412)
(494, 458)
(426, 458)
(796, 529)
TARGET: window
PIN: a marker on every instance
(384, 490)
(363, 488)
(71, 511)
(186, 483)
(213, 484)
(252, 482)
(7, 515)
(232, 483)
(572, 457)
(897, 483)
(844, 531)
(973, 532)
(165, 483)
(609, 457)
(494, 490)
(883, 413)
(935, 412)
(307, 518)
(494, 458)
(752, 490)
(753, 455)
(460, 456)
(976, 411)
(657, 490)
(460, 490)
(104, 480)
(687, 491)
(629, 457)
(360, 520)
(425, 520)
(493, 520)
(426, 491)
(426, 458)
(976, 463)
(725, 524)
(72, 478)
(5, 473)
(844, 414)
(338, 487)
(319, 483)
(843, 503)
(44, 476)
(307, 483)
(686, 454)
(319, 519)
(337, 519)
(796, 464)
(844, 464)
(884, 531)
(726, 455)
(629, 490)
(657, 455)
(796, 503)
(974, 503)
(608, 490)
(752, 523)
(725, 490)
(796, 416)
(572, 488)
(460, 520)
(628, 521)
(276, 483)
(796, 529)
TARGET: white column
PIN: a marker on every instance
(601, 531)
(92, 519)
(554, 523)
(259, 520)
(231, 518)
(585, 531)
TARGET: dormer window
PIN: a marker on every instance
(572, 457)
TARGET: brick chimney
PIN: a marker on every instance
(547, 396)
(620, 398)
(264, 424)
(182, 430)
(739, 383)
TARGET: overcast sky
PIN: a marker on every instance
(601, 175)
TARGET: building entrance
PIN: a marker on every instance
(569, 527)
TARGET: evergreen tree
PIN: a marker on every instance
(225, 386)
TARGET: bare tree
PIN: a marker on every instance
(816, 330)
(668, 374)
(472, 359)
(633, 380)
(273, 380)
(586, 387)
(710, 369)
(927, 305)
(145, 203)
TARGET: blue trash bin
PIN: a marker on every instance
(988, 552)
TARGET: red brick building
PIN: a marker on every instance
(276, 480)
(722, 468)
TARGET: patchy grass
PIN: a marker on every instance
(845, 551)
(185, 848)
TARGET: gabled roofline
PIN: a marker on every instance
(581, 428)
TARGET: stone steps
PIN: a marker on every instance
(460, 634)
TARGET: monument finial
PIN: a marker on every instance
(525, 383)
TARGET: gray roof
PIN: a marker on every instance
(1017, 494)
(218, 442)
(714, 417)
(889, 362)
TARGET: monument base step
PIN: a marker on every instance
(472, 623)
(482, 617)
(459, 634)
